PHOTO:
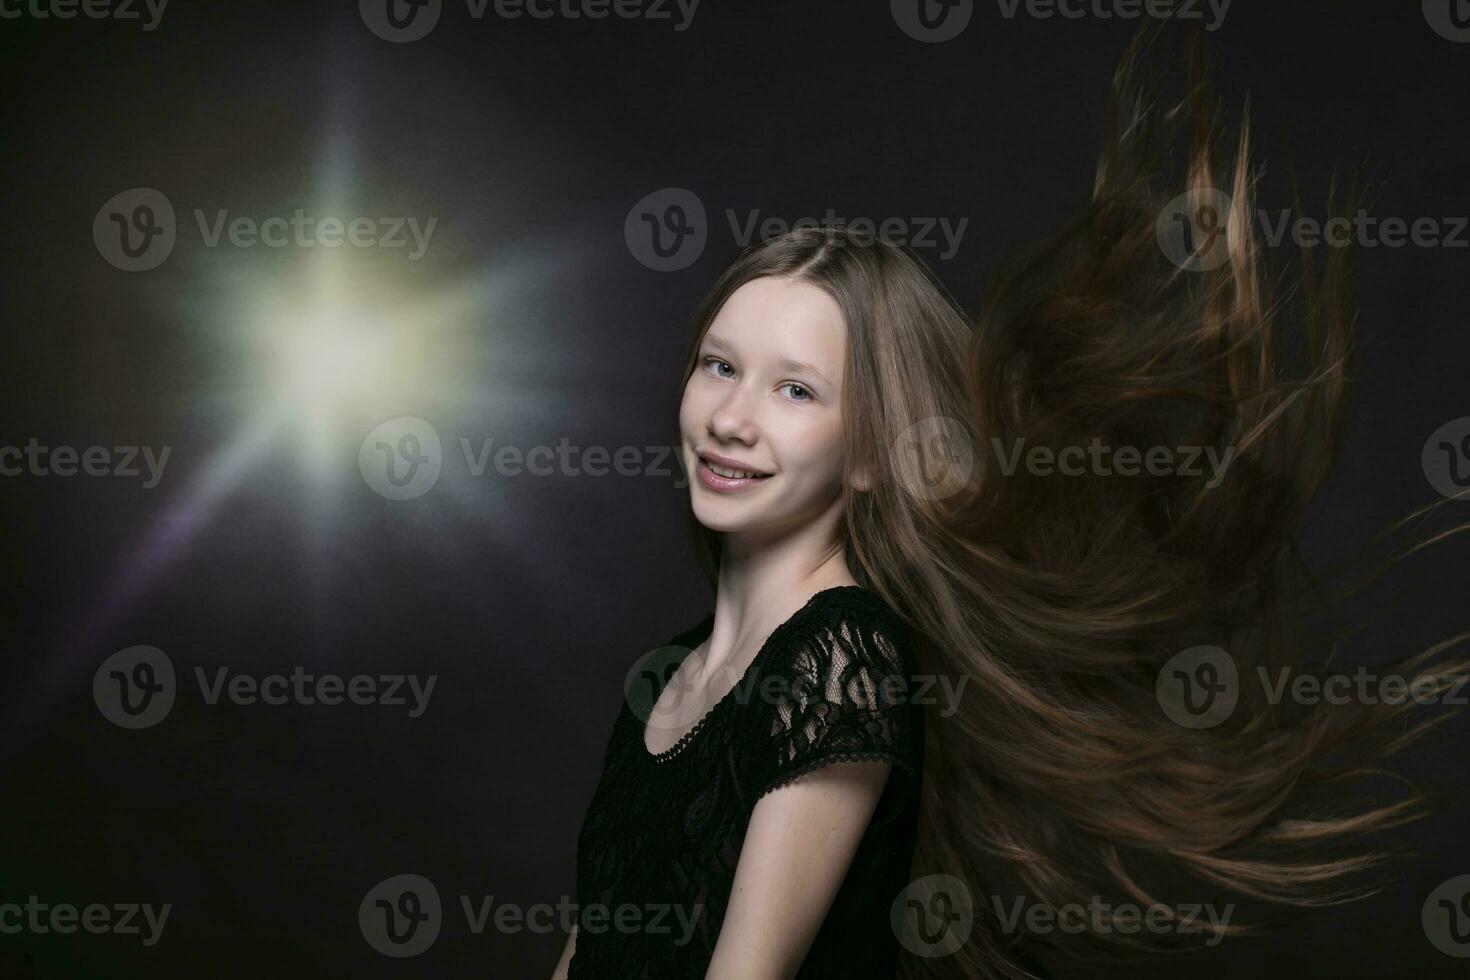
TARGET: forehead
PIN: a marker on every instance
(784, 319)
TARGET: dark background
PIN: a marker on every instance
(528, 596)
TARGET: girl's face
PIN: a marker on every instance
(761, 418)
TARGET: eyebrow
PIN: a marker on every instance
(786, 364)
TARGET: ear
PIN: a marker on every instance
(861, 478)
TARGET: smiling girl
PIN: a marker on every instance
(784, 800)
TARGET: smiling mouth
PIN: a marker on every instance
(730, 473)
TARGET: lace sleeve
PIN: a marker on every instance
(846, 697)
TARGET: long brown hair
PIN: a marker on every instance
(1063, 598)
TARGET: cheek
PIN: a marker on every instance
(697, 406)
(820, 452)
(689, 408)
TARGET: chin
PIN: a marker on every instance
(718, 515)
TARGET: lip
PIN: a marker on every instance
(730, 463)
(725, 484)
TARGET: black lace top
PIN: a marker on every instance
(662, 835)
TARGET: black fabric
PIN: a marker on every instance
(664, 832)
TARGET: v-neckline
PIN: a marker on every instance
(673, 751)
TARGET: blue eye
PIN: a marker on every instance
(806, 393)
(719, 367)
(799, 393)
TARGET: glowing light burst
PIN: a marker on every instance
(317, 346)
(332, 363)
(332, 357)
(314, 353)
(323, 352)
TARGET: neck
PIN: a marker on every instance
(763, 581)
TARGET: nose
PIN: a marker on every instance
(732, 419)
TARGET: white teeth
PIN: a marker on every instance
(728, 473)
